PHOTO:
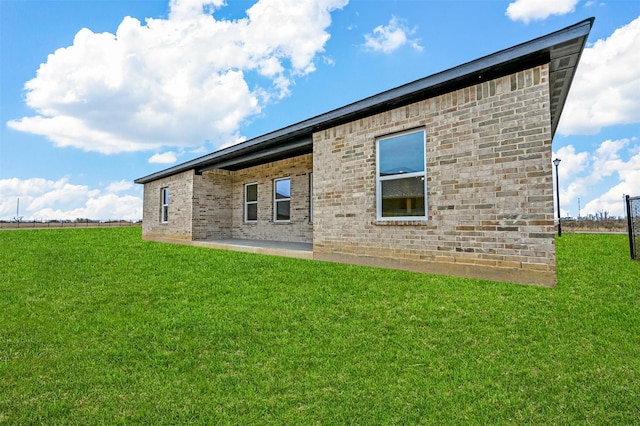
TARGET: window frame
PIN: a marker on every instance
(164, 204)
(398, 176)
(280, 200)
(247, 203)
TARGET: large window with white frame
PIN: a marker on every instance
(164, 203)
(251, 202)
(282, 200)
(401, 177)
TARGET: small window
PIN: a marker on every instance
(401, 177)
(282, 200)
(251, 202)
(164, 212)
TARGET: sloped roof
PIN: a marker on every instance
(560, 49)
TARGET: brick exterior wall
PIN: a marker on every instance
(299, 228)
(212, 205)
(489, 193)
(179, 225)
(489, 177)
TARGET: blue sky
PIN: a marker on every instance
(96, 93)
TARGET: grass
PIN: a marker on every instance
(97, 326)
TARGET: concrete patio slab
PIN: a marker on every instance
(274, 248)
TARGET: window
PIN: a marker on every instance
(311, 197)
(251, 202)
(401, 177)
(282, 200)
(164, 201)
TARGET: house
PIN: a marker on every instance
(449, 174)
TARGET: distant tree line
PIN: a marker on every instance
(600, 221)
(76, 220)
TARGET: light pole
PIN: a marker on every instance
(556, 162)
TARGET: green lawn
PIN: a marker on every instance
(97, 326)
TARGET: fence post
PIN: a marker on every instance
(630, 228)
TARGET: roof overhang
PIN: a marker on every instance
(561, 50)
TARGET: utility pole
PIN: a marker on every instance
(578, 208)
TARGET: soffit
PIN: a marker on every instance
(562, 68)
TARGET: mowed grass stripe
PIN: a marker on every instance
(98, 326)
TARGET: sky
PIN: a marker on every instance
(97, 93)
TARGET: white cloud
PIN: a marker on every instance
(571, 162)
(187, 9)
(177, 81)
(122, 185)
(103, 207)
(164, 158)
(60, 199)
(606, 87)
(532, 10)
(390, 37)
(612, 200)
(605, 164)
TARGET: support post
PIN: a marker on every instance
(630, 228)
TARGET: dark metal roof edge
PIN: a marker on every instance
(469, 68)
(303, 128)
(283, 148)
(556, 120)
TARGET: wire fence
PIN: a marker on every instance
(39, 224)
(633, 217)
